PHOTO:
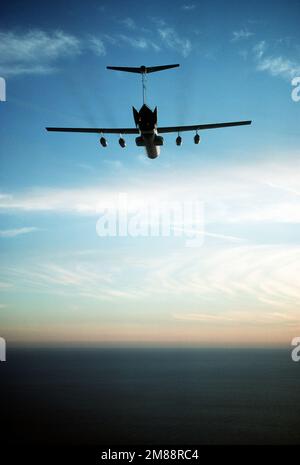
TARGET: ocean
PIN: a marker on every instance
(149, 396)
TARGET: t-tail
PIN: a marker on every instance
(142, 69)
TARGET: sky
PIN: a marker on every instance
(63, 283)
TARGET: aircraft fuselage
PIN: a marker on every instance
(146, 121)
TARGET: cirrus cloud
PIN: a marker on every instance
(4, 233)
(276, 65)
(35, 51)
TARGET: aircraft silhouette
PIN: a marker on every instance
(146, 120)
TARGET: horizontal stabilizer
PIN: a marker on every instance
(141, 69)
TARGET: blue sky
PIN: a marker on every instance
(59, 281)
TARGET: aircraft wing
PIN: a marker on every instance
(201, 126)
(98, 130)
(159, 130)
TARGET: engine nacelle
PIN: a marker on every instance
(197, 139)
(178, 140)
(122, 142)
(158, 140)
(103, 142)
(140, 142)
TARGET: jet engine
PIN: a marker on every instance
(197, 139)
(178, 140)
(103, 142)
(122, 142)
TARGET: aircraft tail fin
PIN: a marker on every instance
(142, 69)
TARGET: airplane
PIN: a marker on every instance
(146, 120)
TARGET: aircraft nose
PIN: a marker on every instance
(143, 69)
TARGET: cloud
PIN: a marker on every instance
(275, 65)
(267, 61)
(97, 46)
(172, 40)
(200, 233)
(71, 279)
(35, 51)
(4, 233)
(243, 284)
(284, 188)
(17, 69)
(167, 38)
(79, 201)
(140, 43)
(255, 277)
(188, 6)
(279, 66)
(241, 318)
(202, 317)
(4, 285)
(86, 167)
(231, 194)
(259, 49)
(128, 22)
(241, 34)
